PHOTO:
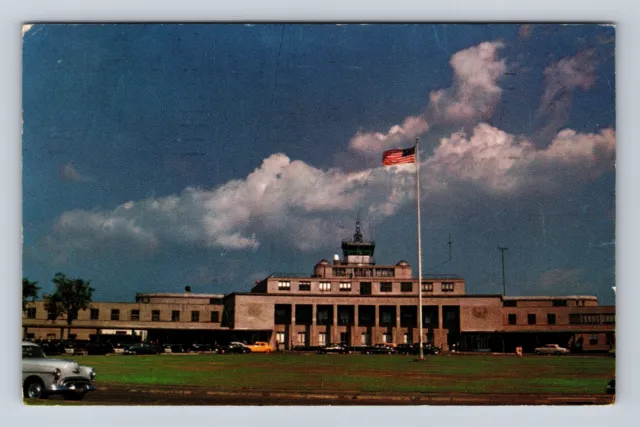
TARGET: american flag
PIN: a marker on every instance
(399, 156)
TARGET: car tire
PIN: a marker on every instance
(558, 353)
(34, 389)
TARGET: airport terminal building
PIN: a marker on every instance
(351, 300)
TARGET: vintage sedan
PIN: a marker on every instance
(140, 348)
(378, 349)
(551, 349)
(234, 348)
(333, 348)
(427, 349)
(260, 347)
(42, 376)
(203, 348)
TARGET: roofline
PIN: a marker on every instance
(549, 297)
(179, 295)
(364, 278)
(331, 295)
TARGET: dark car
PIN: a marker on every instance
(378, 349)
(234, 348)
(173, 348)
(333, 348)
(611, 387)
(414, 349)
(98, 348)
(52, 348)
(141, 348)
(197, 348)
(428, 348)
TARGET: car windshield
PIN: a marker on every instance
(32, 352)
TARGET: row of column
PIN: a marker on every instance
(353, 329)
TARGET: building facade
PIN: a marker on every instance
(351, 300)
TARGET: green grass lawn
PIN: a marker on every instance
(359, 373)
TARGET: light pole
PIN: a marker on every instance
(504, 282)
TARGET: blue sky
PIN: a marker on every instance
(159, 156)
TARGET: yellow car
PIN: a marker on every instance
(260, 347)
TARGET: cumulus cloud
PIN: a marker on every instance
(561, 80)
(302, 206)
(475, 92)
(68, 172)
(281, 196)
(472, 97)
(501, 163)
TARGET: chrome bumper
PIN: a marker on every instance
(72, 388)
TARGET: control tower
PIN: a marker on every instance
(358, 251)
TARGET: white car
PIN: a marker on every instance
(551, 349)
(42, 376)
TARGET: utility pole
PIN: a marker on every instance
(504, 283)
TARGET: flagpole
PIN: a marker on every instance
(419, 251)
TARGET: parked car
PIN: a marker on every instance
(611, 387)
(333, 348)
(173, 348)
(428, 349)
(234, 348)
(196, 348)
(52, 348)
(99, 348)
(140, 348)
(260, 347)
(378, 349)
(406, 349)
(414, 349)
(242, 344)
(551, 349)
(42, 376)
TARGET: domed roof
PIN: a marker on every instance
(402, 263)
(322, 262)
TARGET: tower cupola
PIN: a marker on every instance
(358, 251)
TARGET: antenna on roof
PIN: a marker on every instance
(357, 237)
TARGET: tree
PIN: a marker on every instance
(29, 292)
(70, 296)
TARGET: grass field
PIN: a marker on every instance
(359, 373)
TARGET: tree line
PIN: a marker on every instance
(70, 295)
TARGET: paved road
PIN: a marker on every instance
(137, 395)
